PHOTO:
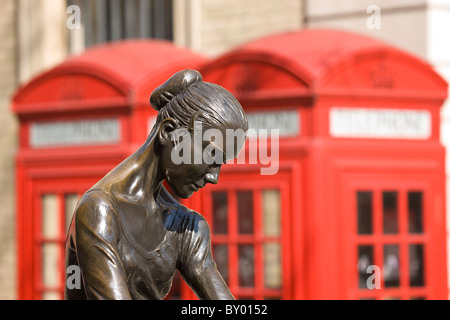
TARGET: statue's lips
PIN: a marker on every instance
(195, 187)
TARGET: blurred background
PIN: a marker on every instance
(36, 35)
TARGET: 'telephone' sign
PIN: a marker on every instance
(287, 122)
(380, 123)
(74, 133)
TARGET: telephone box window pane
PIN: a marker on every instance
(364, 203)
(416, 265)
(70, 204)
(390, 212)
(220, 212)
(415, 212)
(50, 216)
(271, 212)
(246, 265)
(220, 253)
(50, 265)
(272, 265)
(365, 259)
(391, 268)
(245, 212)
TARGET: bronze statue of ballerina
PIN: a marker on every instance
(128, 234)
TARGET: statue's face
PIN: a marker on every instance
(183, 174)
(194, 161)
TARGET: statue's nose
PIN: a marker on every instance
(213, 175)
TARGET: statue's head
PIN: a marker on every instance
(199, 127)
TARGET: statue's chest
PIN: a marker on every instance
(149, 273)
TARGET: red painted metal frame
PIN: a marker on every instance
(255, 183)
(59, 186)
(434, 273)
(290, 181)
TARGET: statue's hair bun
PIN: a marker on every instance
(176, 84)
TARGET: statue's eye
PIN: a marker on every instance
(215, 156)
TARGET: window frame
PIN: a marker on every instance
(60, 187)
(130, 20)
(377, 185)
(233, 238)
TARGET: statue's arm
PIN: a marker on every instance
(96, 238)
(198, 267)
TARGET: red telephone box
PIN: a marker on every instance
(77, 122)
(357, 207)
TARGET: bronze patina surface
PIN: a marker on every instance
(128, 234)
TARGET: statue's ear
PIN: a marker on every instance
(166, 128)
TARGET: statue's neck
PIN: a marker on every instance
(137, 178)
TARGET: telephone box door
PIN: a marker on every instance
(249, 216)
(44, 234)
(393, 237)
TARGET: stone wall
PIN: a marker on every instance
(33, 38)
(8, 143)
(402, 23)
(215, 26)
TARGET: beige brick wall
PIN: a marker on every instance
(214, 26)
(403, 23)
(8, 142)
(32, 34)
(41, 35)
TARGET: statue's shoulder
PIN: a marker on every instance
(182, 218)
(96, 208)
(96, 200)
